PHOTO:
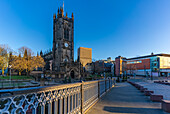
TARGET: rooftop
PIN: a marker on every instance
(152, 55)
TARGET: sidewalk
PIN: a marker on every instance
(125, 99)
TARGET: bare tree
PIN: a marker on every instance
(22, 50)
(131, 68)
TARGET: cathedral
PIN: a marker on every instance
(60, 61)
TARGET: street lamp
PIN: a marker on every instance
(10, 66)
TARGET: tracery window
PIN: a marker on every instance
(66, 33)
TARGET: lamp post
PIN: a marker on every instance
(10, 66)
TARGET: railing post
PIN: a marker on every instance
(56, 107)
(82, 96)
(98, 89)
(43, 109)
(72, 103)
(61, 106)
(105, 86)
(78, 103)
(68, 104)
(75, 101)
(65, 105)
(78, 100)
(49, 108)
(34, 111)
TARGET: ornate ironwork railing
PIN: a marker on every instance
(74, 98)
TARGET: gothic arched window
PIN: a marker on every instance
(66, 33)
(66, 59)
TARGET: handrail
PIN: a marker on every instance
(65, 98)
(39, 89)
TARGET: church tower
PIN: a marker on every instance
(63, 40)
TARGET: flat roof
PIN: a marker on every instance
(161, 54)
(85, 48)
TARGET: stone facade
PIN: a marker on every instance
(62, 56)
(63, 40)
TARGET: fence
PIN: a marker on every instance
(74, 98)
(5, 84)
(10, 84)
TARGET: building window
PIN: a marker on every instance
(155, 64)
(134, 62)
(66, 33)
(66, 59)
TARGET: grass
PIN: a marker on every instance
(15, 84)
(16, 77)
(8, 84)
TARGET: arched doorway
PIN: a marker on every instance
(72, 74)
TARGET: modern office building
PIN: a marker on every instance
(149, 65)
(84, 55)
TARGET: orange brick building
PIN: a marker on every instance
(150, 65)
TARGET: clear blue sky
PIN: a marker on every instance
(110, 27)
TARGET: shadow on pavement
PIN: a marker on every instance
(131, 110)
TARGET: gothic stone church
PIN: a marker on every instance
(60, 61)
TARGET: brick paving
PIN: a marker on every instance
(125, 99)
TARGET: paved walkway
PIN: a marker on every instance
(159, 89)
(125, 99)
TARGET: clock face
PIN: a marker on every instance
(66, 44)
